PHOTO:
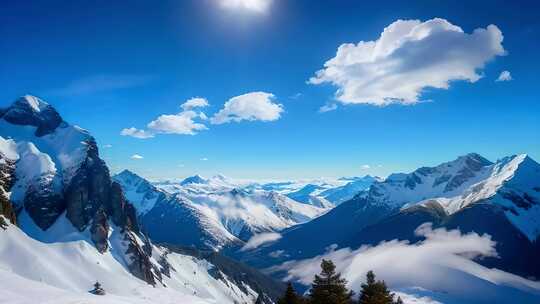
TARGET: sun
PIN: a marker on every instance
(256, 6)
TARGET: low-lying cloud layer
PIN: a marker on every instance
(261, 238)
(409, 57)
(443, 262)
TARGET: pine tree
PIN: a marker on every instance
(329, 287)
(375, 292)
(290, 296)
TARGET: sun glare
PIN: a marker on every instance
(257, 6)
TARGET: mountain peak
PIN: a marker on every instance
(31, 110)
(32, 102)
(195, 179)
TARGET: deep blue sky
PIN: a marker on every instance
(150, 56)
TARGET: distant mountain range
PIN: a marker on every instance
(471, 193)
(65, 222)
(214, 213)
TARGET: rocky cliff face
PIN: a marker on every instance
(6, 182)
(54, 169)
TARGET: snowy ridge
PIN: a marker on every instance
(243, 211)
(511, 183)
(46, 269)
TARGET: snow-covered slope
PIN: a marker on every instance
(64, 272)
(169, 218)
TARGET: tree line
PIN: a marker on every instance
(329, 287)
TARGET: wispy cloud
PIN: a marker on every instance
(260, 239)
(327, 108)
(101, 83)
(365, 167)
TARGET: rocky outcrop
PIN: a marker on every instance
(140, 264)
(70, 179)
(6, 182)
(100, 231)
(31, 111)
(89, 189)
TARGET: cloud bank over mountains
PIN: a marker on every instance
(441, 260)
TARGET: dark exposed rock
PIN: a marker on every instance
(89, 188)
(43, 205)
(412, 180)
(473, 163)
(140, 265)
(6, 182)
(100, 231)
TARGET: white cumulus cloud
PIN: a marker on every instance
(259, 6)
(181, 123)
(196, 102)
(185, 122)
(365, 167)
(136, 156)
(504, 76)
(261, 238)
(408, 57)
(250, 106)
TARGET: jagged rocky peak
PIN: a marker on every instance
(55, 170)
(128, 177)
(195, 179)
(30, 110)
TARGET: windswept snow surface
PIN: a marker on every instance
(64, 271)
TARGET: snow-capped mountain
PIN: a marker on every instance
(501, 199)
(324, 192)
(169, 218)
(512, 183)
(353, 186)
(32, 269)
(225, 214)
(59, 206)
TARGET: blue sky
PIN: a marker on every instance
(111, 66)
